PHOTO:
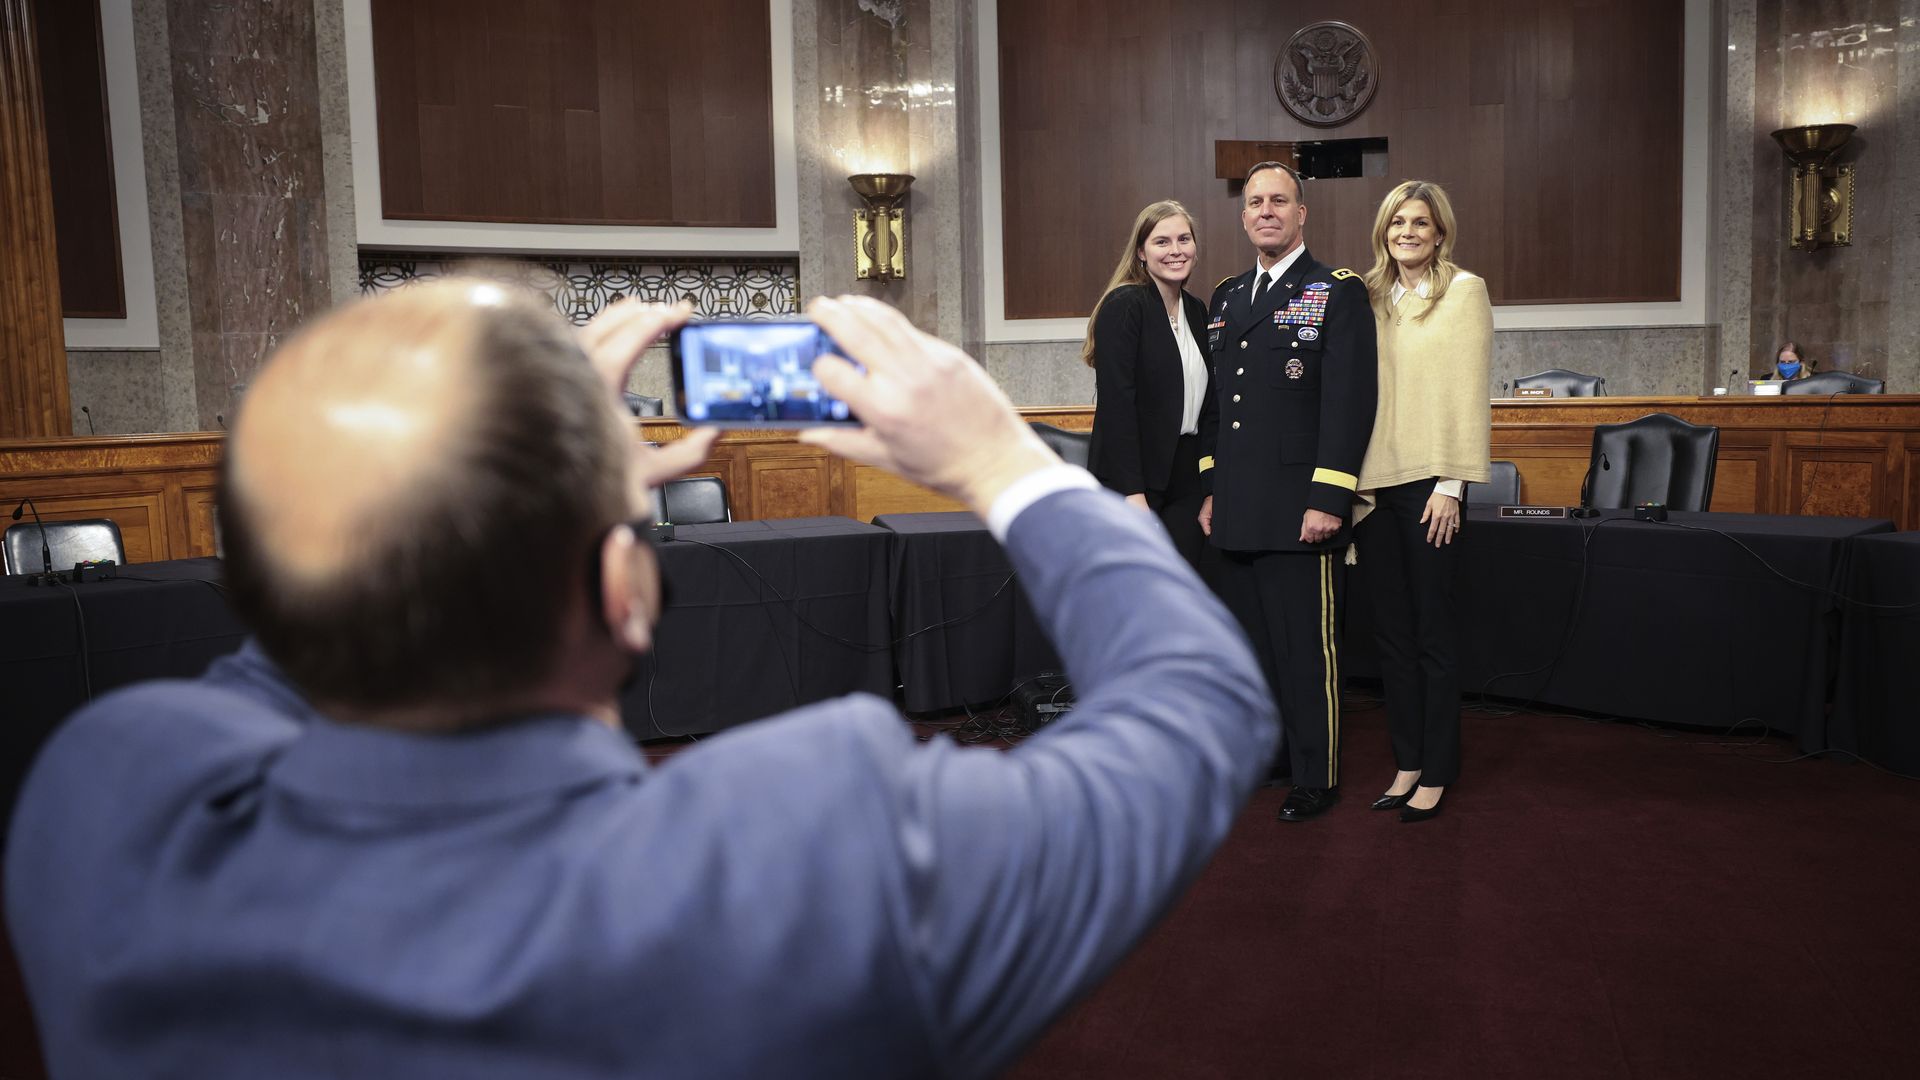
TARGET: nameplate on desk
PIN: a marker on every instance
(1533, 512)
(1533, 391)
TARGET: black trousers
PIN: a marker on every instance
(1415, 626)
(1178, 507)
(1289, 604)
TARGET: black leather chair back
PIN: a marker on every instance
(697, 500)
(642, 405)
(1657, 458)
(1501, 489)
(1564, 383)
(1834, 382)
(70, 542)
(1072, 446)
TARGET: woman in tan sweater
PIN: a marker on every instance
(1430, 434)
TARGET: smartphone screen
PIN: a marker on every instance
(753, 374)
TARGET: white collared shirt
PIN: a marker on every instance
(1279, 268)
(1193, 371)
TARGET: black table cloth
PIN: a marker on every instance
(1876, 711)
(762, 616)
(966, 634)
(158, 620)
(1676, 623)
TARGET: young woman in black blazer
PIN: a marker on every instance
(1145, 345)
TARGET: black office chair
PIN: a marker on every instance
(697, 500)
(642, 405)
(1564, 383)
(1834, 382)
(1072, 446)
(1501, 489)
(70, 542)
(1657, 458)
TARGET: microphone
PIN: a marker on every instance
(221, 419)
(1503, 388)
(1585, 509)
(46, 576)
(89, 414)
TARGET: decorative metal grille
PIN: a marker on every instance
(580, 288)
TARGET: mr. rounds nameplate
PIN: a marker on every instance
(1525, 512)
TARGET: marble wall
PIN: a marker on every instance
(252, 185)
(1846, 61)
(876, 90)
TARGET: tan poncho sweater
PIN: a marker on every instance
(1434, 417)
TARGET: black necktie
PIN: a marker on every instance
(1260, 290)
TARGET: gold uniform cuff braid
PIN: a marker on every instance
(1336, 478)
(1206, 463)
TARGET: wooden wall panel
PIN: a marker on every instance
(33, 354)
(1537, 117)
(592, 113)
(80, 158)
(1855, 456)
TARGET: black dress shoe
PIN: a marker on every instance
(1304, 802)
(1409, 815)
(1392, 802)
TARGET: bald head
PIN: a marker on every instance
(412, 491)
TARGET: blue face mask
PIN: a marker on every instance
(1790, 371)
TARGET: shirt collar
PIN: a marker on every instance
(1280, 267)
(357, 763)
(1400, 290)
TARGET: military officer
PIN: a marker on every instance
(1282, 435)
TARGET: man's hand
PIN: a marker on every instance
(930, 413)
(1318, 525)
(1206, 516)
(614, 341)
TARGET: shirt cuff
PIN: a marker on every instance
(1030, 489)
(1454, 488)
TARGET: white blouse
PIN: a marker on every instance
(1194, 370)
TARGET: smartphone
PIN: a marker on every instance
(754, 374)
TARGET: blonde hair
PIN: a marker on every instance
(1440, 271)
(1132, 271)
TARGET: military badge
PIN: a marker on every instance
(1308, 333)
(1296, 368)
(1319, 286)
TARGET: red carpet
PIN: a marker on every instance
(1597, 900)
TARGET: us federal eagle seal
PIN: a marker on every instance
(1326, 74)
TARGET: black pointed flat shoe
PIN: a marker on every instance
(1392, 802)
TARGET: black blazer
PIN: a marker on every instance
(1139, 388)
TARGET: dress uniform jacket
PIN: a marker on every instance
(1287, 421)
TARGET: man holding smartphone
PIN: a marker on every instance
(407, 836)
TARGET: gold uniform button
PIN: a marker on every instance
(1236, 425)
(1239, 371)
(1296, 344)
(1243, 344)
(1236, 397)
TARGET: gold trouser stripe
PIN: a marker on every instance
(1336, 478)
(1329, 662)
(1206, 463)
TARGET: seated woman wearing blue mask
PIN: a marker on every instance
(1787, 365)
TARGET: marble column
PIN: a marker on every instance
(33, 360)
(1731, 266)
(876, 91)
(252, 185)
(1903, 331)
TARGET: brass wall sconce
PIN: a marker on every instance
(880, 230)
(1822, 191)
